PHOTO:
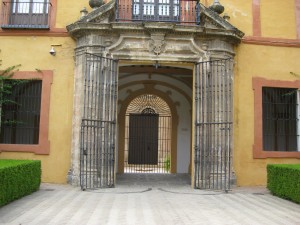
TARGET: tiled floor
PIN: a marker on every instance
(149, 199)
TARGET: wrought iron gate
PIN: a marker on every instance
(213, 124)
(98, 125)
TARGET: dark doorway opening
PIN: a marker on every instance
(143, 139)
(147, 136)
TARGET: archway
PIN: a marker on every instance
(148, 43)
(147, 88)
(148, 135)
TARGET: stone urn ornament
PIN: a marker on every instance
(95, 3)
(217, 7)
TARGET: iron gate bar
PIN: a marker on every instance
(98, 125)
(213, 124)
(199, 124)
(113, 122)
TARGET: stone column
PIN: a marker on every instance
(86, 44)
(74, 172)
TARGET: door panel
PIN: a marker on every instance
(143, 139)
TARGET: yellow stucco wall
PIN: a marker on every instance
(33, 53)
(269, 62)
(240, 13)
(68, 11)
(278, 18)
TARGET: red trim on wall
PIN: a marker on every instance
(271, 41)
(53, 14)
(43, 147)
(297, 14)
(256, 26)
(257, 84)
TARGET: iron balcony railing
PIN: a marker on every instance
(26, 15)
(177, 11)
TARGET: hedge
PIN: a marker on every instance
(283, 180)
(18, 178)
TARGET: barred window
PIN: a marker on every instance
(20, 112)
(280, 119)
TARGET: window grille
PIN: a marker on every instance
(280, 119)
(20, 114)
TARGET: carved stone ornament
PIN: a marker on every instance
(95, 3)
(217, 7)
(157, 43)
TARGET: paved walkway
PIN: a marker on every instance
(150, 200)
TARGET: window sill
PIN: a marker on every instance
(41, 149)
(33, 27)
(258, 153)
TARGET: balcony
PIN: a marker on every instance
(177, 11)
(26, 15)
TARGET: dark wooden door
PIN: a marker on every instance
(143, 139)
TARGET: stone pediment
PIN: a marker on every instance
(104, 18)
(210, 19)
(101, 33)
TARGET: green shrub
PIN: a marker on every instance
(284, 181)
(167, 163)
(18, 178)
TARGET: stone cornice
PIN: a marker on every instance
(79, 29)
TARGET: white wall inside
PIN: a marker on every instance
(183, 130)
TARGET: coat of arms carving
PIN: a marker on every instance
(157, 43)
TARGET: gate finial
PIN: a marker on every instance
(95, 3)
(217, 7)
